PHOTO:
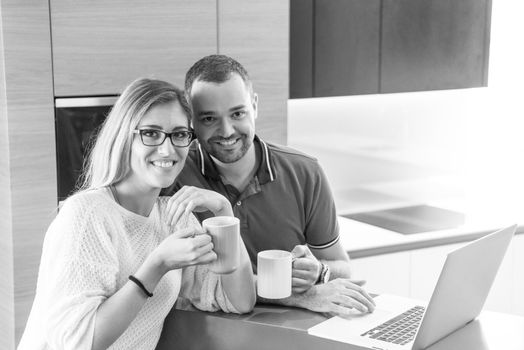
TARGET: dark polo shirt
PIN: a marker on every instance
(288, 201)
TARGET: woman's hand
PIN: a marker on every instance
(189, 199)
(189, 246)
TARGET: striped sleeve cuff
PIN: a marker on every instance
(326, 245)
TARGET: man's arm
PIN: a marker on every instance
(307, 265)
(336, 258)
(339, 297)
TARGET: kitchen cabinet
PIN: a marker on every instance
(353, 47)
(518, 275)
(27, 157)
(415, 273)
(426, 265)
(301, 49)
(256, 33)
(387, 273)
(100, 46)
(346, 49)
(434, 44)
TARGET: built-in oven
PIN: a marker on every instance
(77, 121)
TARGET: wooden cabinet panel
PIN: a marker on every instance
(100, 46)
(499, 297)
(256, 33)
(346, 47)
(385, 46)
(27, 157)
(301, 49)
(434, 44)
(518, 275)
(426, 265)
(415, 273)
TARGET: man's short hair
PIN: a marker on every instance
(216, 69)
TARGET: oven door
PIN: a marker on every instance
(77, 121)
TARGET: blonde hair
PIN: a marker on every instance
(109, 159)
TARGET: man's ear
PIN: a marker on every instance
(254, 100)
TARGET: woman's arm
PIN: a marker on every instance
(116, 313)
(239, 286)
(178, 250)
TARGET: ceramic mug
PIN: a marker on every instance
(225, 233)
(274, 274)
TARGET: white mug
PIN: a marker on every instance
(225, 233)
(274, 274)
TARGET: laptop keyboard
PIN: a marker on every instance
(400, 329)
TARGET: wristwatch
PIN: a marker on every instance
(324, 274)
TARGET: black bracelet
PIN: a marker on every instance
(138, 283)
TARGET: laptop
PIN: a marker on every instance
(458, 297)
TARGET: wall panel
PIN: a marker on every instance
(256, 33)
(7, 307)
(28, 175)
(100, 46)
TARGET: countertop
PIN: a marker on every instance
(273, 327)
(363, 240)
(482, 214)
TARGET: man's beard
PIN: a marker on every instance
(229, 156)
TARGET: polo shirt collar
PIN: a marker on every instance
(265, 171)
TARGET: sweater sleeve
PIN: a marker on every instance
(77, 273)
(202, 288)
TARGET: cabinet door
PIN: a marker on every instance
(346, 60)
(434, 44)
(518, 274)
(301, 49)
(388, 273)
(426, 265)
(256, 33)
(100, 46)
(499, 297)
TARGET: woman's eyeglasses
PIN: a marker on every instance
(154, 137)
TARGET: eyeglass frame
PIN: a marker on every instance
(166, 135)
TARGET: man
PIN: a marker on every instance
(281, 196)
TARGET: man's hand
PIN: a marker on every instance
(306, 269)
(339, 297)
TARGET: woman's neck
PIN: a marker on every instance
(138, 201)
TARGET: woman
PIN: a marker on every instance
(117, 256)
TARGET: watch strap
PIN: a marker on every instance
(323, 277)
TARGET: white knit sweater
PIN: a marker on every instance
(89, 251)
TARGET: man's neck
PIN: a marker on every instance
(240, 173)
